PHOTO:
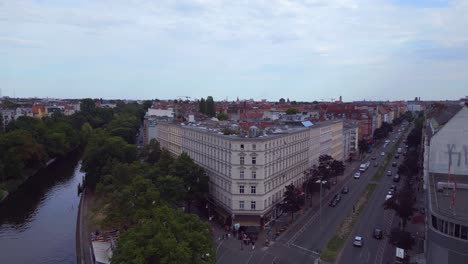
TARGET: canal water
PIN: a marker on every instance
(38, 221)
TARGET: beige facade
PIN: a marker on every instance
(248, 175)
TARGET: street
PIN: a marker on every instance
(374, 216)
(304, 240)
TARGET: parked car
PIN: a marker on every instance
(393, 188)
(345, 190)
(397, 156)
(337, 197)
(389, 173)
(396, 178)
(358, 242)
(333, 203)
(378, 233)
(357, 175)
(373, 158)
(382, 153)
(394, 164)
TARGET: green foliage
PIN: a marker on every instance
(202, 106)
(292, 200)
(124, 125)
(292, 111)
(363, 146)
(402, 239)
(222, 116)
(172, 189)
(168, 236)
(151, 152)
(103, 150)
(87, 105)
(210, 106)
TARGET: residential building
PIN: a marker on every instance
(446, 185)
(248, 172)
(350, 139)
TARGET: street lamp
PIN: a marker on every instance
(321, 183)
(307, 174)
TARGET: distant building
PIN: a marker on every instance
(446, 182)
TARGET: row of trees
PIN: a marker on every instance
(403, 202)
(141, 192)
(207, 106)
(383, 131)
(327, 170)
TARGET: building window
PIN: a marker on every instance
(254, 160)
(254, 146)
(464, 232)
(241, 174)
(457, 230)
(254, 175)
(253, 189)
(241, 189)
(241, 160)
(241, 204)
(242, 146)
(252, 205)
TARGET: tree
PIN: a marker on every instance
(102, 152)
(151, 152)
(292, 200)
(194, 177)
(210, 106)
(87, 105)
(202, 106)
(172, 189)
(337, 168)
(292, 111)
(2, 125)
(163, 166)
(401, 239)
(363, 146)
(167, 236)
(222, 116)
(402, 203)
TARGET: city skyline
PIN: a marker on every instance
(303, 50)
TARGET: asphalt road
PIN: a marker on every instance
(374, 216)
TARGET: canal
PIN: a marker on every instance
(38, 221)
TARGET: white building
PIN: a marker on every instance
(248, 173)
(350, 138)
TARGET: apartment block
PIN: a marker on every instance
(249, 170)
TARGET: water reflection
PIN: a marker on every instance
(38, 222)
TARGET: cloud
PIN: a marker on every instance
(20, 42)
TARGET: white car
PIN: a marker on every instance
(358, 242)
(382, 154)
(388, 196)
(357, 175)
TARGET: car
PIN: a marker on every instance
(333, 203)
(382, 153)
(367, 164)
(393, 188)
(390, 192)
(345, 190)
(387, 141)
(376, 164)
(337, 197)
(358, 241)
(357, 175)
(389, 173)
(396, 178)
(388, 196)
(397, 156)
(363, 167)
(373, 158)
(394, 164)
(378, 233)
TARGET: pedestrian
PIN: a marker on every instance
(253, 245)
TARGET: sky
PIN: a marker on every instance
(262, 49)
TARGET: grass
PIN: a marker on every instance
(335, 244)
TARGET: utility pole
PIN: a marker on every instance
(321, 183)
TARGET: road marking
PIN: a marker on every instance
(305, 249)
(251, 255)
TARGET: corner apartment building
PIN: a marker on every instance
(446, 185)
(248, 172)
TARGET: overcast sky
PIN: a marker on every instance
(261, 49)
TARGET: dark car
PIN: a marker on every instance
(345, 190)
(394, 164)
(378, 233)
(333, 202)
(393, 188)
(396, 178)
(373, 158)
(337, 197)
(397, 156)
